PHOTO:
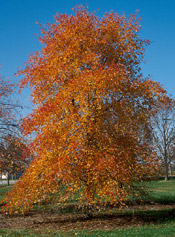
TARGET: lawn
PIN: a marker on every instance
(161, 191)
(153, 218)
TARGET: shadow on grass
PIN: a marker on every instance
(144, 217)
(127, 219)
(126, 216)
(164, 200)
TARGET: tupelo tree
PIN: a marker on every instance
(92, 107)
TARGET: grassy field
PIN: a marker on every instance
(145, 231)
(161, 191)
(156, 219)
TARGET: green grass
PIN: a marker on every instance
(167, 229)
(161, 191)
(3, 190)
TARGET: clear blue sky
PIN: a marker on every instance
(18, 28)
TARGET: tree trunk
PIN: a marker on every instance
(166, 157)
(166, 172)
(170, 169)
(8, 179)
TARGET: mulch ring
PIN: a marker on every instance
(47, 220)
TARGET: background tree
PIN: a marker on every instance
(9, 118)
(163, 124)
(14, 155)
(8, 109)
(92, 112)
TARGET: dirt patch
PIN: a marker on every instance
(47, 220)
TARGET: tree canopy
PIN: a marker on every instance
(92, 111)
(14, 154)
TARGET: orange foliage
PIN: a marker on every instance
(92, 111)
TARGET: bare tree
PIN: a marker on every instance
(163, 125)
